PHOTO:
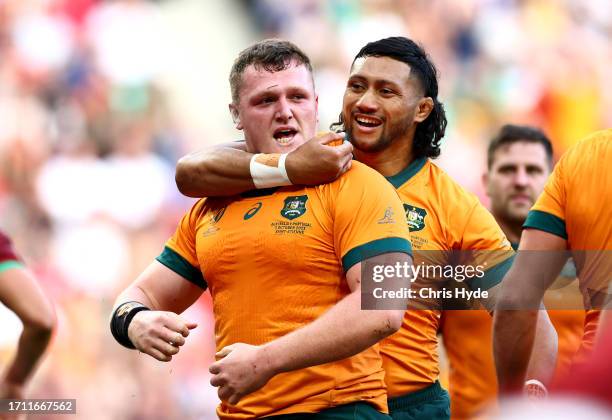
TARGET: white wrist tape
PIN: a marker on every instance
(268, 170)
(535, 390)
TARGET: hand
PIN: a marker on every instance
(535, 390)
(12, 391)
(316, 162)
(240, 370)
(159, 334)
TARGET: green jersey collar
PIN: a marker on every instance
(411, 170)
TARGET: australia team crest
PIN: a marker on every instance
(295, 207)
(415, 217)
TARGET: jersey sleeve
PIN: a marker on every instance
(8, 257)
(484, 244)
(368, 217)
(548, 213)
(179, 253)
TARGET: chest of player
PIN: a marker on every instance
(282, 234)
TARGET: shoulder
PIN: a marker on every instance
(360, 178)
(361, 171)
(590, 152)
(453, 193)
(589, 158)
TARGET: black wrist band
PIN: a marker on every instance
(121, 319)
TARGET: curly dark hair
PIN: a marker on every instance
(430, 132)
(271, 55)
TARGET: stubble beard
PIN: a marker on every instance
(395, 132)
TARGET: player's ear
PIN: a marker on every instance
(317, 108)
(235, 116)
(485, 182)
(424, 108)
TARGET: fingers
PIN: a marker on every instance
(224, 352)
(346, 166)
(172, 337)
(166, 348)
(330, 138)
(178, 324)
(226, 393)
(156, 354)
(345, 148)
(215, 368)
(234, 399)
(160, 334)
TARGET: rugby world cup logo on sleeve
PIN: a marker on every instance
(295, 206)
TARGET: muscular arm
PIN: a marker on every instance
(167, 294)
(520, 331)
(20, 292)
(224, 170)
(341, 332)
(220, 170)
(542, 360)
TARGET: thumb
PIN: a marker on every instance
(224, 352)
(345, 148)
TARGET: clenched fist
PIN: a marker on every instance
(242, 369)
(319, 160)
(159, 334)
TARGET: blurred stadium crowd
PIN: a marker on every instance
(98, 99)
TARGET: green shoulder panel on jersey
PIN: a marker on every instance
(546, 222)
(175, 262)
(374, 248)
(493, 276)
(8, 265)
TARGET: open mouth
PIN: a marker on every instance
(369, 122)
(285, 135)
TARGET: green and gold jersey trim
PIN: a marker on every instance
(546, 222)
(374, 248)
(175, 262)
(9, 265)
(411, 170)
(493, 276)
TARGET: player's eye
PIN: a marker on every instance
(386, 92)
(356, 86)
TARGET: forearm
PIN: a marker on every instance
(544, 354)
(343, 331)
(513, 338)
(135, 293)
(32, 345)
(214, 172)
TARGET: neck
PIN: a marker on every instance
(390, 161)
(512, 229)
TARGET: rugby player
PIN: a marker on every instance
(570, 214)
(520, 158)
(20, 292)
(283, 266)
(393, 118)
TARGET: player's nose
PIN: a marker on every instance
(367, 102)
(283, 110)
(521, 178)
